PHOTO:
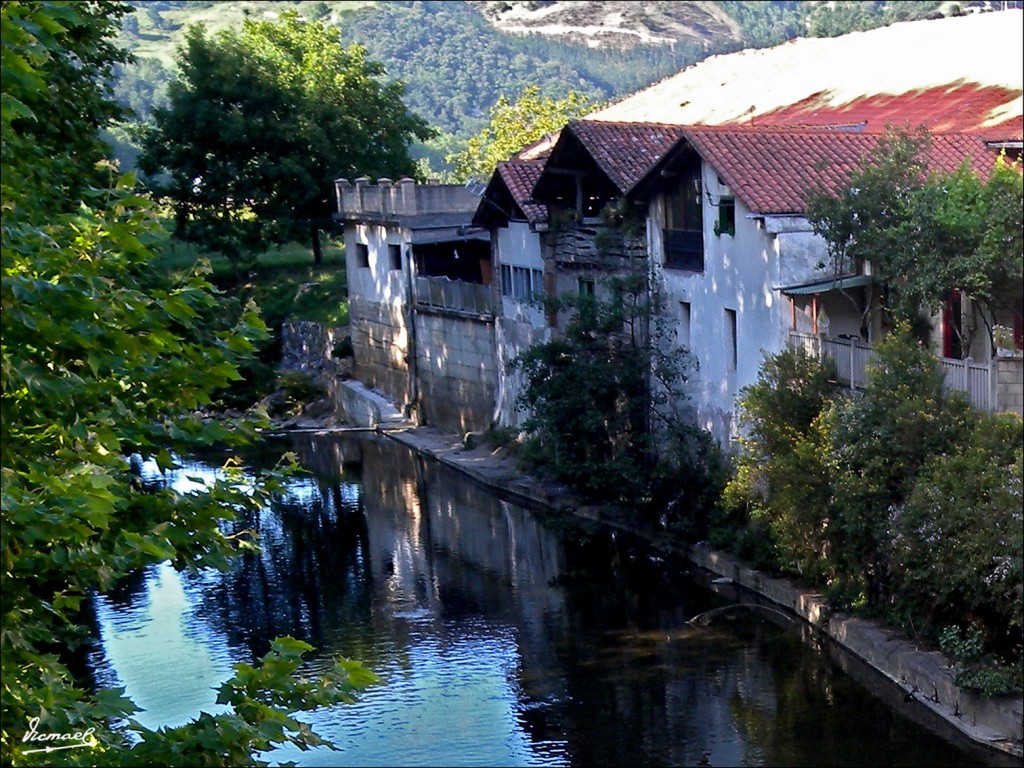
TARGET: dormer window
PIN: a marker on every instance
(684, 224)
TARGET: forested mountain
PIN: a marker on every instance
(456, 58)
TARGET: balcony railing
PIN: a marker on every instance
(684, 249)
(976, 380)
(454, 295)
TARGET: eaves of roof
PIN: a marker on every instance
(519, 178)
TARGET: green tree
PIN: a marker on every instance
(260, 124)
(879, 443)
(927, 232)
(608, 412)
(64, 97)
(102, 360)
(513, 127)
(781, 477)
(957, 549)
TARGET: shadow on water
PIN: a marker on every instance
(500, 637)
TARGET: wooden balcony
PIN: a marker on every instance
(597, 245)
(453, 295)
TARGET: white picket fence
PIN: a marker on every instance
(976, 380)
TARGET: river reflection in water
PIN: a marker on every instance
(500, 639)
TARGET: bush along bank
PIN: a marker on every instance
(900, 504)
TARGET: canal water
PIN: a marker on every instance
(502, 636)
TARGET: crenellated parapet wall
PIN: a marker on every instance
(363, 200)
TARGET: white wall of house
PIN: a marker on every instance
(731, 314)
(521, 322)
(377, 282)
(378, 319)
(518, 247)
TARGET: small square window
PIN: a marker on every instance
(586, 286)
(394, 256)
(362, 255)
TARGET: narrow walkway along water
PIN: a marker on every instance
(918, 680)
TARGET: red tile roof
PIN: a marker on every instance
(520, 176)
(771, 169)
(625, 151)
(951, 108)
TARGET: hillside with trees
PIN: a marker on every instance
(458, 58)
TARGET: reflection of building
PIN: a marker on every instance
(420, 515)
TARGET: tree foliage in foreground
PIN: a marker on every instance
(262, 121)
(928, 232)
(103, 360)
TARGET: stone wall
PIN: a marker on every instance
(380, 343)
(1009, 372)
(456, 368)
(308, 346)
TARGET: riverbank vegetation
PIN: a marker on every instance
(107, 362)
(284, 282)
(608, 411)
(901, 503)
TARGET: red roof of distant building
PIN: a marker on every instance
(951, 108)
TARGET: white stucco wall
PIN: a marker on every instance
(519, 246)
(741, 275)
(378, 316)
(377, 283)
(520, 324)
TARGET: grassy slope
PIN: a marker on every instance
(275, 281)
(162, 43)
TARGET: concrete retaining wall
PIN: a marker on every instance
(380, 343)
(456, 369)
(925, 676)
(361, 406)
